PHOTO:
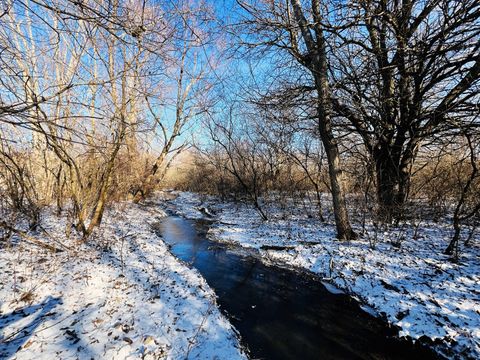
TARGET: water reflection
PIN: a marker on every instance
(279, 313)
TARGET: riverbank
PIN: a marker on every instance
(281, 313)
(403, 275)
(122, 296)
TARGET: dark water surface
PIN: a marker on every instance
(280, 313)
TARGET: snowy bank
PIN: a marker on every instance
(127, 299)
(403, 274)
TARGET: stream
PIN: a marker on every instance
(281, 313)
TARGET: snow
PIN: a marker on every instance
(401, 275)
(123, 295)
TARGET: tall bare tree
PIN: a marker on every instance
(405, 70)
(301, 30)
(187, 69)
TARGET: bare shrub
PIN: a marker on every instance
(18, 186)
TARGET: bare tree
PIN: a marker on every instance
(188, 68)
(301, 31)
(404, 71)
(72, 88)
(242, 156)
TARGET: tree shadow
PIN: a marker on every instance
(13, 342)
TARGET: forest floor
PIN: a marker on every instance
(122, 295)
(399, 273)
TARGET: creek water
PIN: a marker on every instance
(281, 313)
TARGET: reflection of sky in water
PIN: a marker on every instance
(279, 313)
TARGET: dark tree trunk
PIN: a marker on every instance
(386, 171)
(317, 62)
(452, 248)
(393, 175)
(344, 229)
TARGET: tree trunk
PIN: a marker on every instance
(149, 183)
(98, 211)
(387, 186)
(452, 248)
(97, 214)
(393, 175)
(344, 229)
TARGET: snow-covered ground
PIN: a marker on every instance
(128, 298)
(402, 274)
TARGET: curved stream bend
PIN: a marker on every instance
(279, 313)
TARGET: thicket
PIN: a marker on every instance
(367, 109)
